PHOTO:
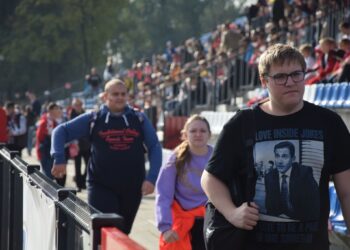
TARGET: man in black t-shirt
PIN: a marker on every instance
(94, 80)
(321, 141)
(35, 103)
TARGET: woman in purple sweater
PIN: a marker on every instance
(180, 199)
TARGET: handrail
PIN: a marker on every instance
(73, 215)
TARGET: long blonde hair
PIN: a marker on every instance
(182, 151)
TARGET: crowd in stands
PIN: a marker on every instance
(208, 70)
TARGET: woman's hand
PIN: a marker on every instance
(170, 236)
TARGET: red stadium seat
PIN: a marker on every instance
(172, 131)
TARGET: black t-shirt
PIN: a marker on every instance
(36, 107)
(320, 141)
(94, 80)
(253, 12)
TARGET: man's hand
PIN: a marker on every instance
(147, 188)
(244, 217)
(58, 170)
(170, 236)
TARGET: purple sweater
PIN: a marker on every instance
(186, 190)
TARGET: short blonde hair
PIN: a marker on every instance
(77, 101)
(114, 82)
(327, 41)
(305, 47)
(278, 54)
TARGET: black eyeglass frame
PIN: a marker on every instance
(286, 76)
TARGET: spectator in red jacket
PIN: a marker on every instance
(47, 122)
(326, 60)
(341, 72)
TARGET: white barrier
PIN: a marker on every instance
(217, 120)
(39, 219)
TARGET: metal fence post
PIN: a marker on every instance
(65, 238)
(215, 92)
(5, 204)
(102, 220)
(11, 205)
(16, 232)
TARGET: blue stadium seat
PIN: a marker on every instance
(332, 201)
(334, 96)
(346, 103)
(343, 95)
(328, 92)
(335, 213)
(90, 103)
(319, 93)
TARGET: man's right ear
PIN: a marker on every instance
(263, 81)
(104, 96)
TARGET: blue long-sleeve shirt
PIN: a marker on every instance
(81, 126)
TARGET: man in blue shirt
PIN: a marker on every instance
(116, 172)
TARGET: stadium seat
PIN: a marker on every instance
(343, 95)
(307, 91)
(328, 92)
(335, 213)
(90, 103)
(334, 95)
(310, 93)
(319, 93)
(346, 103)
(332, 201)
(172, 131)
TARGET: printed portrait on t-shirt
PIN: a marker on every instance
(288, 164)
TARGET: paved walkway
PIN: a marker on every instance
(144, 230)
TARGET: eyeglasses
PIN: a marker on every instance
(282, 78)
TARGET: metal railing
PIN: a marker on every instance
(74, 217)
